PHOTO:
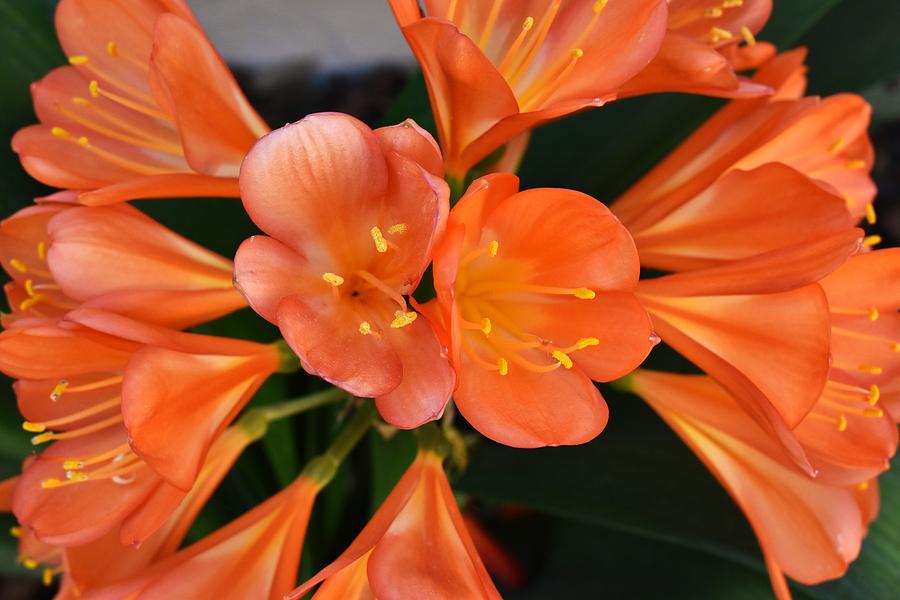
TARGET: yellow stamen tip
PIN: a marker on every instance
(748, 36)
(33, 427)
(503, 366)
(599, 5)
(732, 3)
(333, 279)
(873, 412)
(871, 369)
(836, 146)
(493, 248)
(856, 164)
(78, 60)
(18, 265)
(58, 389)
(398, 229)
(83, 141)
(713, 13)
(584, 294)
(73, 465)
(41, 438)
(51, 483)
(577, 53)
(402, 319)
(79, 101)
(872, 240)
(47, 577)
(365, 328)
(377, 237)
(842, 423)
(862, 486)
(94, 89)
(871, 217)
(61, 133)
(587, 342)
(895, 347)
(562, 358)
(29, 287)
(76, 476)
(30, 563)
(112, 49)
(873, 313)
(486, 326)
(528, 23)
(874, 394)
(15, 531)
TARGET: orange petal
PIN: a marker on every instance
(413, 142)
(7, 486)
(427, 381)
(172, 185)
(216, 123)
(860, 283)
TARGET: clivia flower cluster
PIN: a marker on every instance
(763, 279)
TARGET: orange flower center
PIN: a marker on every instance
(496, 302)
(533, 70)
(122, 113)
(369, 290)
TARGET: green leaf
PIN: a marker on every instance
(791, 19)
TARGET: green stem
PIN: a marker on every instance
(275, 412)
(457, 189)
(323, 468)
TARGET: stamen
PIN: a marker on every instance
(15, 531)
(142, 140)
(868, 369)
(146, 109)
(713, 13)
(862, 486)
(42, 250)
(748, 36)
(380, 243)
(74, 433)
(840, 420)
(18, 265)
(398, 229)
(874, 395)
(78, 60)
(835, 147)
(856, 164)
(894, 345)
(30, 563)
(114, 453)
(47, 577)
(732, 3)
(402, 319)
(513, 50)
(871, 217)
(534, 43)
(871, 312)
(333, 279)
(81, 414)
(493, 287)
(94, 385)
(871, 240)
(365, 328)
(383, 288)
(58, 389)
(493, 248)
(499, 366)
(489, 23)
(562, 358)
(33, 427)
(485, 326)
(502, 366)
(112, 49)
(717, 34)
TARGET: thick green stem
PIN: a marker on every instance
(275, 412)
(457, 189)
(323, 468)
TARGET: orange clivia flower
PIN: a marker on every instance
(113, 258)
(259, 552)
(705, 44)
(415, 546)
(535, 299)
(825, 139)
(132, 410)
(496, 68)
(353, 215)
(826, 523)
(145, 109)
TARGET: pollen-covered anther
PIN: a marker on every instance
(862, 486)
(47, 576)
(874, 394)
(18, 265)
(748, 36)
(333, 279)
(584, 294)
(493, 248)
(871, 240)
(15, 531)
(871, 216)
(94, 88)
(78, 60)
(402, 319)
(857, 164)
(836, 146)
(112, 49)
(51, 483)
(713, 13)
(76, 476)
(503, 366)
(29, 563)
(586, 343)
(486, 326)
(58, 389)
(73, 465)
(562, 358)
(717, 34)
(381, 244)
(33, 427)
(842, 423)
(398, 229)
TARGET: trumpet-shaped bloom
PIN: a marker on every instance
(704, 45)
(808, 530)
(259, 551)
(496, 68)
(113, 258)
(132, 410)
(534, 300)
(145, 109)
(825, 139)
(353, 216)
(415, 546)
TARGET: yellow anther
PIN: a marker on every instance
(51, 483)
(599, 5)
(61, 133)
(58, 389)
(856, 164)
(73, 465)
(76, 476)
(79, 101)
(528, 23)
(871, 369)
(486, 326)
(748, 35)
(333, 279)
(42, 250)
(873, 412)
(380, 243)
(94, 88)
(842, 423)
(29, 287)
(577, 53)
(584, 294)
(27, 303)
(587, 342)
(47, 576)
(402, 319)
(732, 3)
(872, 240)
(83, 141)
(713, 13)
(18, 265)
(78, 60)
(112, 49)
(29, 563)
(562, 358)
(871, 217)
(862, 486)
(835, 147)
(717, 34)
(503, 366)
(33, 427)
(493, 248)
(41, 438)
(398, 229)
(895, 347)
(874, 394)
(365, 328)
(15, 531)
(873, 313)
